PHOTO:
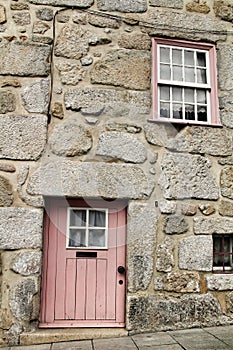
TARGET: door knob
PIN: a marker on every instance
(121, 269)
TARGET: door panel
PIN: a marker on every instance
(80, 287)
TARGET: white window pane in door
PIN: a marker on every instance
(164, 110)
(177, 112)
(201, 97)
(177, 73)
(189, 95)
(164, 55)
(165, 93)
(188, 58)
(165, 72)
(96, 238)
(189, 75)
(201, 76)
(77, 238)
(77, 217)
(97, 218)
(177, 56)
(177, 94)
(201, 59)
(189, 112)
(202, 113)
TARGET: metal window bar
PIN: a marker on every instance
(225, 239)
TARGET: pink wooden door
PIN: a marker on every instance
(84, 280)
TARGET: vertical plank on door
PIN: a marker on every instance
(80, 312)
(70, 289)
(112, 267)
(101, 292)
(91, 289)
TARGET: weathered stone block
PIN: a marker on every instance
(7, 101)
(20, 228)
(121, 145)
(20, 6)
(24, 59)
(107, 101)
(70, 139)
(212, 225)
(226, 181)
(57, 110)
(129, 69)
(35, 97)
(45, 14)
(207, 209)
(175, 225)
(196, 253)
(165, 256)
(158, 135)
(91, 179)
(225, 66)
(167, 207)
(103, 21)
(178, 282)
(20, 299)
(196, 139)
(226, 109)
(22, 137)
(27, 263)
(226, 208)
(6, 192)
(220, 282)
(229, 302)
(153, 312)
(2, 14)
(135, 41)
(224, 10)
(196, 7)
(178, 4)
(188, 209)
(141, 240)
(187, 176)
(122, 5)
(22, 18)
(40, 27)
(9, 168)
(71, 73)
(76, 3)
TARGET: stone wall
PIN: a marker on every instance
(75, 104)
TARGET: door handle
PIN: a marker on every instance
(121, 269)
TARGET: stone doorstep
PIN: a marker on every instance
(43, 336)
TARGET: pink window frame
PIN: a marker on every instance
(214, 108)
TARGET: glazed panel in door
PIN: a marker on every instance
(83, 285)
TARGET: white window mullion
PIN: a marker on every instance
(195, 104)
(87, 228)
(183, 104)
(171, 104)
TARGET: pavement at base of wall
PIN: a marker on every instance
(212, 338)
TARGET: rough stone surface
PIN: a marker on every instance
(86, 61)
(212, 225)
(175, 225)
(196, 139)
(27, 263)
(167, 207)
(188, 209)
(196, 253)
(103, 21)
(187, 176)
(73, 42)
(19, 59)
(226, 208)
(122, 5)
(220, 282)
(121, 145)
(107, 101)
(207, 209)
(123, 127)
(129, 69)
(10, 82)
(2, 14)
(141, 240)
(153, 312)
(165, 257)
(90, 180)
(14, 333)
(7, 101)
(224, 10)
(22, 137)
(20, 301)
(19, 6)
(226, 161)
(71, 73)
(6, 192)
(196, 7)
(22, 18)
(8, 168)
(157, 134)
(229, 302)
(225, 66)
(20, 228)
(40, 27)
(226, 181)
(226, 109)
(167, 3)
(35, 97)
(45, 14)
(135, 41)
(178, 282)
(79, 3)
(70, 139)
(57, 110)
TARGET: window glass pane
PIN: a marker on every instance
(201, 96)
(165, 54)
(188, 58)
(96, 238)
(189, 75)
(165, 93)
(96, 218)
(201, 59)
(189, 95)
(202, 113)
(177, 94)
(177, 73)
(164, 110)
(165, 72)
(201, 76)
(189, 112)
(177, 111)
(77, 217)
(77, 238)
(177, 56)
